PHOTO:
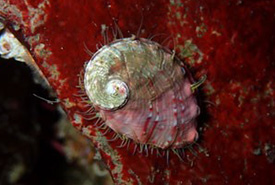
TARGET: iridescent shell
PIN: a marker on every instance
(143, 92)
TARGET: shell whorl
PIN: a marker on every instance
(104, 88)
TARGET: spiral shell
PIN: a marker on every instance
(142, 92)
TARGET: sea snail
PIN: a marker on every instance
(143, 92)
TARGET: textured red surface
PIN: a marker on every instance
(230, 41)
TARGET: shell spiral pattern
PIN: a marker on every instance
(142, 92)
